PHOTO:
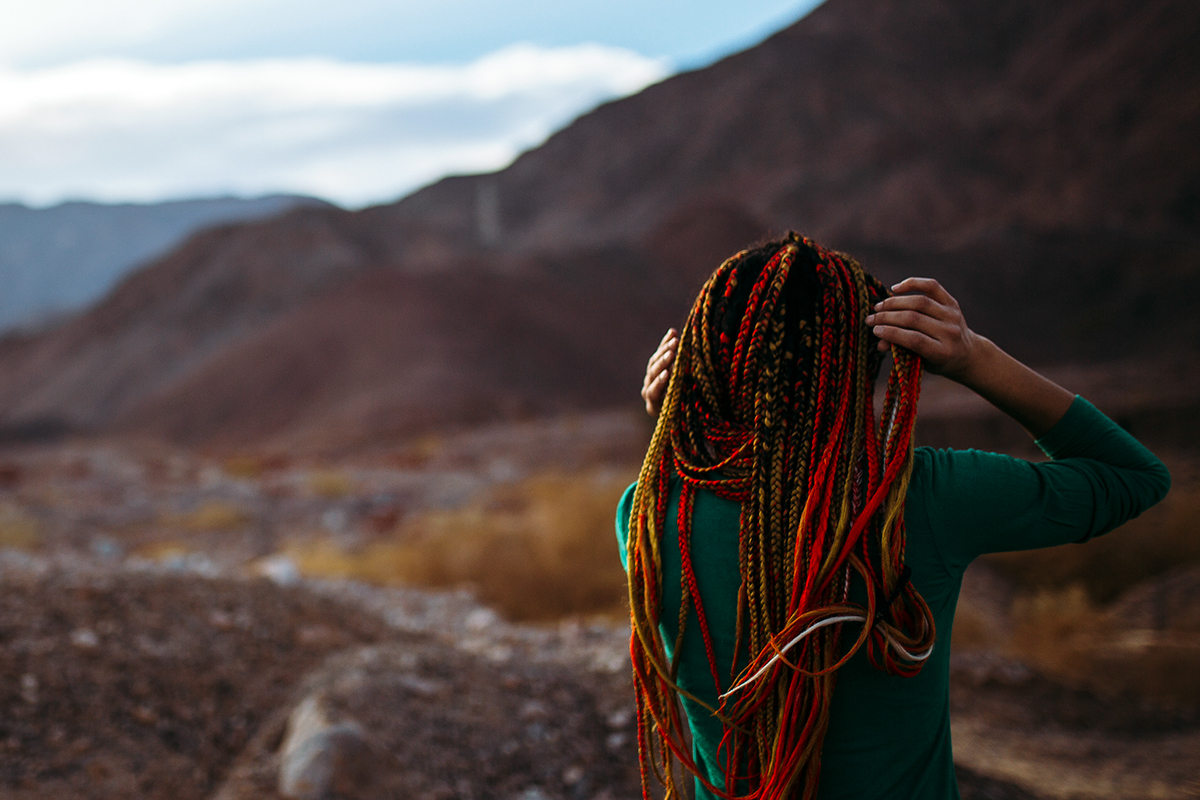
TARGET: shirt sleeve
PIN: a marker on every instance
(1098, 478)
(623, 510)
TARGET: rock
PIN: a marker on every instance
(421, 717)
(320, 759)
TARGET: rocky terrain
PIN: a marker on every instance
(156, 683)
(179, 625)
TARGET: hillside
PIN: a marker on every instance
(1039, 158)
(58, 259)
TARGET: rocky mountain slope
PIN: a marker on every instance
(1039, 158)
(59, 259)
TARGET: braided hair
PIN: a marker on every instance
(771, 405)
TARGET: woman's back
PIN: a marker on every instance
(889, 736)
(808, 554)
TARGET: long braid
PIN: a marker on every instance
(771, 405)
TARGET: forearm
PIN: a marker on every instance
(1034, 401)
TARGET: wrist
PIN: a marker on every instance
(979, 365)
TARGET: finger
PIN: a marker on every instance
(659, 364)
(655, 377)
(921, 303)
(914, 320)
(653, 394)
(669, 345)
(927, 286)
(916, 341)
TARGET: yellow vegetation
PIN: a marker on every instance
(540, 549)
(1064, 633)
(18, 529)
(244, 466)
(161, 551)
(1048, 622)
(210, 516)
(330, 483)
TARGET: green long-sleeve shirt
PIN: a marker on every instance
(889, 737)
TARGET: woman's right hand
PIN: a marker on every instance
(658, 372)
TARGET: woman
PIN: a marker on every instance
(794, 564)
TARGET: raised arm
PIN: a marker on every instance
(924, 318)
(980, 502)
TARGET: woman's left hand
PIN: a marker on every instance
(658, 372)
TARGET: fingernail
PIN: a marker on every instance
(878, 329)
(878, 306)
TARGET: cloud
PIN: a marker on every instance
(351, 132)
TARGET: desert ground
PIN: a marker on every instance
(446, 620)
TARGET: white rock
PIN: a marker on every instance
(280, 569)
(85, 638)
(318, 755)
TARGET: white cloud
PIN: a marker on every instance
(354, 133)
(39, 29)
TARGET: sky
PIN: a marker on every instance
(354, 101)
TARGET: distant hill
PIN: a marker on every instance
(1039, 158)
(62, 258)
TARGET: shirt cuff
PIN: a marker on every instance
(1077, 429)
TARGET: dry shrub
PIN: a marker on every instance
(540, 549)
(1163, 538)
(971, 630)
(1050, 624)
(1063, 632)
(330, 483)
(18, 530)
(244, 466)
(249, 466)
(211, 516)
(162, 551)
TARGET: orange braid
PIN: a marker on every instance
(771, 405)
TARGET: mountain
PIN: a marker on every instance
(1038, 158)
(62, 258)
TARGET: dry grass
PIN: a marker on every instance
(1065, 633)
(540, 549)
(330, 484)
(162, 551)
(244, 466)
(18, 530)
(210, 516)
(1047, 621)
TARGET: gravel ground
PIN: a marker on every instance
(133, 679)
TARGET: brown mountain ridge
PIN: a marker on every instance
(1039, 158)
